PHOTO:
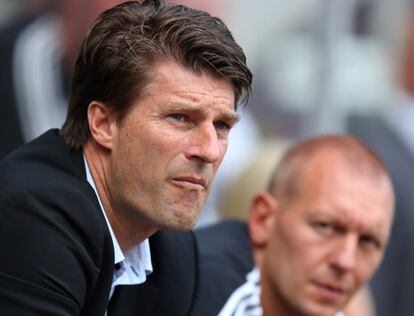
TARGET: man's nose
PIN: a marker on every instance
(344, 256)
(204, 144)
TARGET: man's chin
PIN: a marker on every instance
(180, 224)
(317, 309)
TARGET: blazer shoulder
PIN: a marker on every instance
(51, 226)
(227, 240)
(225, 259)
(175, 261)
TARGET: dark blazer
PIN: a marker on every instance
(393, 284)
(224, 263)
(57, 253)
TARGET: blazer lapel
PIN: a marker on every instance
(134, 300)
(171, 288)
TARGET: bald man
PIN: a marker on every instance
(317, 235)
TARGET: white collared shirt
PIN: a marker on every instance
(135, 265)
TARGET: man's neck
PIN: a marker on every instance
(129, 232)
(272, 304)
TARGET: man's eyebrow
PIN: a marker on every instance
(227, 115)
(231, 117)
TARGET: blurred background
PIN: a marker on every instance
(320, 66)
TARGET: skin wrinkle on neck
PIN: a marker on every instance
(126, 236)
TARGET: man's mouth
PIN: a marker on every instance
(328, 290)
(190, 182)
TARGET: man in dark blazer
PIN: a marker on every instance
(56, 190)
(154, 96)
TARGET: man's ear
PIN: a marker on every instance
(262, 218)
(102, 124)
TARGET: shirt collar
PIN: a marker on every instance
(136, 263)
(118, 255)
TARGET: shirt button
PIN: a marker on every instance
(117, 266)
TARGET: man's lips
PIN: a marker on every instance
(329, 290)
(190, 182)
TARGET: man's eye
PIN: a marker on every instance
(220, 125)
(178, 117)
(324, 228)
(369, 242)
(322, 225)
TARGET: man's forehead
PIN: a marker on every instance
(174, 75)
(331, 183)
(355, 205)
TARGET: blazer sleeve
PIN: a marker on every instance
(50, 245)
